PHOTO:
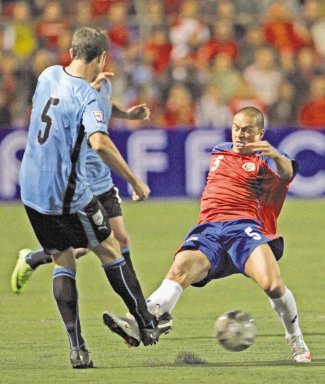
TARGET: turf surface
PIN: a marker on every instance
(34, 346)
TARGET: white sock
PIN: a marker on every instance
(286, 308)
(167, 296)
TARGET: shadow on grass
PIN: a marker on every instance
(234, 364)
(260, 335)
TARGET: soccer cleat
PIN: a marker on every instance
(126, 328)
(21, 273)
(150, 336)
(300, 351)
(165, 323)
(80, 358)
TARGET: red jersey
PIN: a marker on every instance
(228, 195)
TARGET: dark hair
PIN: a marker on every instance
(254, 112)
(88, 43)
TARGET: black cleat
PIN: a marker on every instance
(150, 336)
(165, 323)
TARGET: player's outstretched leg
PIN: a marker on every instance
(126, 285)
(21, 273)
(262, 267)
(286, 308)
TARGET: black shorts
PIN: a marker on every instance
(111, 202)
(83, 229)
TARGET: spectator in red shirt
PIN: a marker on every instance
(158, 49)
(63, 55)
(51, 25)
(282, 32)
(118, 31)
(312, 113)
(221, 41)
(179, 110)
(188, 32)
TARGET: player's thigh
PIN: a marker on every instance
(262, 267)
(189, 267)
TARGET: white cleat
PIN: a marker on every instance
(300, 351)
(128, 329)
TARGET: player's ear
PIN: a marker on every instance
(262, 131)
(71, 53)
(102, 58)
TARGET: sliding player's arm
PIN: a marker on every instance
(283, 164)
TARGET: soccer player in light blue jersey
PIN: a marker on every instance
(100, 183)
(67, 115)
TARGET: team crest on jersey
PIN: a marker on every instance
(98, 218)
(249, 167)
(99, 116)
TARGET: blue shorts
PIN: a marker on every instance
(228, 244)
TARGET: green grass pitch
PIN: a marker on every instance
(34, 347)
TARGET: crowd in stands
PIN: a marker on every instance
(194, 63)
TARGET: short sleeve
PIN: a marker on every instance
(271, 164)
(94, 119)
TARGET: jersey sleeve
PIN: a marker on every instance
(271, 164)
(94, 119)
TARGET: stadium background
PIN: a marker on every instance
(194, 63)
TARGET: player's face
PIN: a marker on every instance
(244, 131)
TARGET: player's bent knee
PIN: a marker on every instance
(108, 250)
(189, 267)
(273, 287)
(123, 240)
(178, 274)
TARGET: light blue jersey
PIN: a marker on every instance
(98, 174)
(66, 111)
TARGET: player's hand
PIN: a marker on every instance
(102, 76)
(262, 148)
(141, 191)
(138, 112)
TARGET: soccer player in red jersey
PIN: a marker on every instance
(236, 231)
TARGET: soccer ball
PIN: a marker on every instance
(235, 330)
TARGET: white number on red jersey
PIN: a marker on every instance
(216, 163)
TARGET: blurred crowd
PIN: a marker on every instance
(194, 63)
